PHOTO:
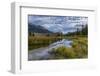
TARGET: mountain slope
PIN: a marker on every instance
(37, 29)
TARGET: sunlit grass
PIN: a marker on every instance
(79, 49)
(35, 42)
(63, 52)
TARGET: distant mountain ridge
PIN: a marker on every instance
(37, 29)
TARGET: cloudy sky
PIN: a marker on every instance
(62, 24)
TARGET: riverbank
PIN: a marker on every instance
(78, 50)
(35, 42)
(44, 52)
(71, 48)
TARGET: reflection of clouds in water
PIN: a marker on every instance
(58, 23)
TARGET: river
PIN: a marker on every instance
(42, 53)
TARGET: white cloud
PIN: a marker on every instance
(58, 23)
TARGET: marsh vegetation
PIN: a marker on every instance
(79, 49)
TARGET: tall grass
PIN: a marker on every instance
(35, 42)
(63, 52)
(79, 49)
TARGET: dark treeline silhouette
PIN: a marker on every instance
(82, 31)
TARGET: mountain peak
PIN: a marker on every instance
(37, 29)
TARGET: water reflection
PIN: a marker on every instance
(64, 42)
(43, 53)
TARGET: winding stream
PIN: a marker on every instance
(42, 53)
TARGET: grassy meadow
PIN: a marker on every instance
(79, 47)
(35, 42)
